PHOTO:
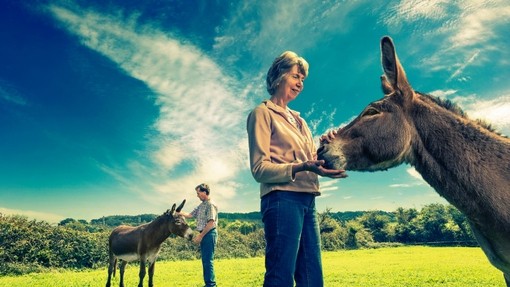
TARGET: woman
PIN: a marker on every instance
(283, 160)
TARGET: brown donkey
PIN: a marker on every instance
(142, 243)
(463, 160)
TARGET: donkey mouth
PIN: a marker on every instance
(188, 234)
(331, 161)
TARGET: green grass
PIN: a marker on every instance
(402, 266)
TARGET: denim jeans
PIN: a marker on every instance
(207, 247)
(293, 247)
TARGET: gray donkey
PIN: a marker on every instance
(464, 160)
(142, 243)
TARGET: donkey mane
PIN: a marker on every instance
(454, 108)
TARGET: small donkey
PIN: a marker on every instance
(142, 243)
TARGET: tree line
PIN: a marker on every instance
(35, 246)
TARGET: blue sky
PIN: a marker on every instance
(123, 107)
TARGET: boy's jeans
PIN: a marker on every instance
(207, 247)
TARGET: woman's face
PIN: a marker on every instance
(291, 85)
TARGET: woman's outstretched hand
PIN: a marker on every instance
(317, 166)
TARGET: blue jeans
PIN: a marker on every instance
(207, 247)
(293, 247)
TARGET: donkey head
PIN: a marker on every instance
(178, 225)
(380, 137)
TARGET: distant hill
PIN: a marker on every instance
(116, 220)
(250, 216)
(350, 215)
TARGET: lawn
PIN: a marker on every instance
(400, 266)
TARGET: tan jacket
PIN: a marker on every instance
(274, 145)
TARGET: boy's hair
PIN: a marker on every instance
(203, 188)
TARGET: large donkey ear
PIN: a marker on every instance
(181, 206)
(395, 76)
(173, 209)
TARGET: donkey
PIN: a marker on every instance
(464, 160)
(143, 243)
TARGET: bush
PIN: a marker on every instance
(34, 246)
(30, 246)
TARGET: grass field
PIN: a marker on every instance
(401, 266)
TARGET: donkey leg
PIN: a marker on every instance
(151, 272)
(142, 272)
(111, 267)
(122, 268)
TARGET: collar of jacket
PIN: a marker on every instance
(278, 109)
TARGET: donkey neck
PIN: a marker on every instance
(465, 162)
(158, 230)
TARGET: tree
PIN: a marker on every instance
(464, 232)
(357, 235)
(241, 226)
(333, 234)
(377, 224)
(433, 220)
(406, 229)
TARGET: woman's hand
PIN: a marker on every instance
(327, 138)
(317, 166)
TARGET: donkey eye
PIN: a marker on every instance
(370, 112)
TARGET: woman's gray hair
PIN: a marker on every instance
(281, 66)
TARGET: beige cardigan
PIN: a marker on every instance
(275, 144)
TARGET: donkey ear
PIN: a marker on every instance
(386, 86)
(173, 209)
(395, 75)
(181, 206)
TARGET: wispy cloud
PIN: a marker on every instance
(321, 119)
(270, 26)
(400, 185)
(461, 68)
(455, 29)
(443, 93)
(413, 173)
(417, 180)
(494, 111)
(43, 216)
(477, 20)
(267, 28)
(413, 10)
(200, 108)
(10, 94)
(328, 185)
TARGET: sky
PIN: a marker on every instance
(122, 107)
